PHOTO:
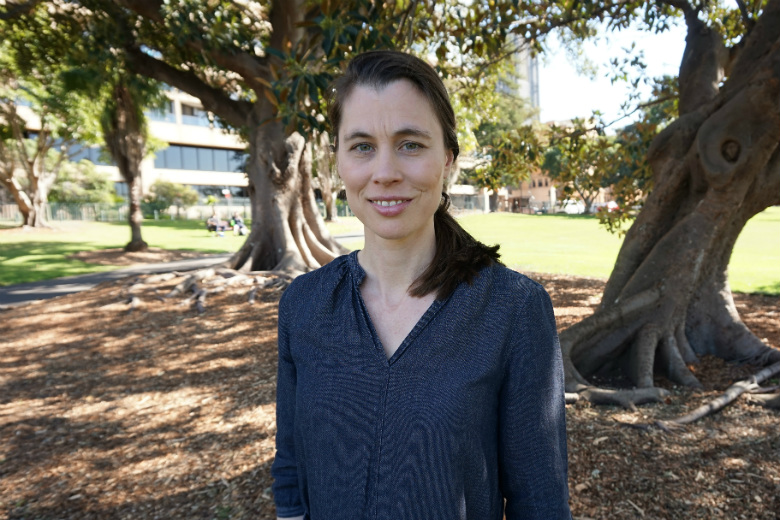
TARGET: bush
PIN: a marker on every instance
(164, 194)
(81, 183)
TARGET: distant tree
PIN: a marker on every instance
(506, 143)
(164, 194)
(31, 160)
(80, 183)
(126, 136)
(579, 160)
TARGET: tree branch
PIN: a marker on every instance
(640, 107)
(234, 112)
(16, 9)
(246, 65)
(746, 19)
(682, 5)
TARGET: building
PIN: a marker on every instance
(522, 81)
(198, 153)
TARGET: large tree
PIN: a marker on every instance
(668, 300)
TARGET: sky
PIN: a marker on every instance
(565, 95)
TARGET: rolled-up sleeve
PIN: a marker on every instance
(532, 423)
(284, 469)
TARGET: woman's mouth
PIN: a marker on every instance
(390, 207)
(388, 202)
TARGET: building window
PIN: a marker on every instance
(177, 157)
(166, 114)
(237, 161)
(222, 160)
(191, 115)
(169, 158)
(121, 190)
(205, 159)
(189, 158)
(97, 155)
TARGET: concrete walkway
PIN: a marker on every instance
(12, 295)
(19, 294)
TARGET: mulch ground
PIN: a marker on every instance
(164, 412)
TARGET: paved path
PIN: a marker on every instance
(28, 292)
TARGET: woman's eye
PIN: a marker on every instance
(411, 147)
(362, 147)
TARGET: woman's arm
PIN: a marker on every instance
(532, 423)
(284, 469)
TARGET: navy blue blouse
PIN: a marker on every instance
(467, 415)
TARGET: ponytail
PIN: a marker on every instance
(458, 258)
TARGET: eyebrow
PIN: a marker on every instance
(409, 131)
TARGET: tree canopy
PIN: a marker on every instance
(31, 155)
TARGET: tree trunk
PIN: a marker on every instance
(494, 201)
(668, 300)
(288, 233)
(135, 216)
(327, 178)
(21, 198)
(124, 134)
(40, 184)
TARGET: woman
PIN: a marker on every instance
(418, 378)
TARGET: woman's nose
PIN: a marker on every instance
(386, 168)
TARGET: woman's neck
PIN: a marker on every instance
(392, 267)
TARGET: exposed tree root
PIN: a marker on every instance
(731, 394)
(196, 286)
(188, 282)
(625, 398)
(767, 400)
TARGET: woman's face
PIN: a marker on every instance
(392, 160)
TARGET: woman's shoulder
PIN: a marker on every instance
(504, 279)
(323, 280)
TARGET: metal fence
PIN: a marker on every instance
(57, 212)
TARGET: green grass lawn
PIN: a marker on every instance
(574, 245)
(27, 256)
(548, 243)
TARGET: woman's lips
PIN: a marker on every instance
(389, 207)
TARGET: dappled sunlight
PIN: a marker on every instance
(164, 412)
(110, 412)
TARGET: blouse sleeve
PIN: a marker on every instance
(532, 423)
(284, 469)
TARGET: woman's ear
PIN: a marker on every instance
(450, 159)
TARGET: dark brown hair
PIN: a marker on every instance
(459, 257)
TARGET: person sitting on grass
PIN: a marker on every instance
(215, 225)
(239, 228)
